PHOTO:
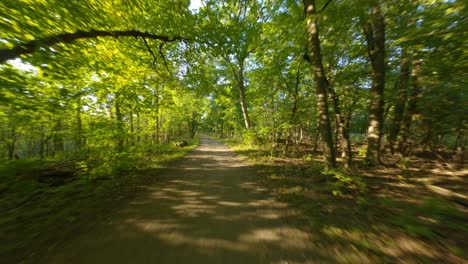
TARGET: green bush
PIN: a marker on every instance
(342, 183)
(362, 150)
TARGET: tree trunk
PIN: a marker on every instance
(57, 139)
(42, 143)
(374, 31)
(243, 102)
(158, 116)
(221, 132)
(193, 124)
(412, 108)
(11, 144)
(400, 102)
(292, 119)
(342, 130)
(79, 126)
(119, 124)
(138, 128)
(346, 153)
(460, 150)
(132, 130)
(322, 84)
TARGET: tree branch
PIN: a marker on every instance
(150, 51)
(162, 55)
(33, 45)
(324, 7)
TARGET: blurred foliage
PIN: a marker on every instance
(103, 105)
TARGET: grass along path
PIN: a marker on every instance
(38, 216)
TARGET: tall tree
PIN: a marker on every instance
(374, 31)
(400, 102)
(411, 111)
(321, 83)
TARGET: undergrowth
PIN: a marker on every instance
(40, 196)
(346, 202)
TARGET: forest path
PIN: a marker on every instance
(208, 208)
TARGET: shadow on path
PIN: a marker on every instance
(208, 208)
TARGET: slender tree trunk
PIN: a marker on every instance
(42, 144)
(338, 118)
(30, 148)
(119, 124)
(243, 101)
(138, 128)
(374, 31)
(347, 153)
(79, 126)
(132, 129)
(400, 102)
(192, 124)
(158, 118)
(292, 119)
(460, 148)
(412, 108)
(342, 129)
(145, 137)
(57, 138)
(322, 84)
(11, 145)
(221, 132)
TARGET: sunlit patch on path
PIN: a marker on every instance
(208, 208)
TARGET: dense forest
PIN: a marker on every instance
(92, 92)
(80, 78)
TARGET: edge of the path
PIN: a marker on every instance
(96, 206)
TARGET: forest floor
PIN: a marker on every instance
(216, 207)
(412, 210)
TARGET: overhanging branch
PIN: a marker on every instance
(33, 45)
(162, 55)
(150, 50)
(324, 6)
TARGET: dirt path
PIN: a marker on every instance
(208, 208)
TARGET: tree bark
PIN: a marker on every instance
(57, 139)
(400, 102)
(322, 84)
(374, 31)
(292, 119)
(342, 129)
(193, 124)
(243, 101)
(347, 153)
(460, 148)
(42, 143)
(132, 129)
(79, 125)
(157, 132)
(33, 45)
(138, 128)
(119, 124)
(412, 108)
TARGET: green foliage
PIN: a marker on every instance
(32, 208)
(342, 183)
(105, 105)
(362, 150)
